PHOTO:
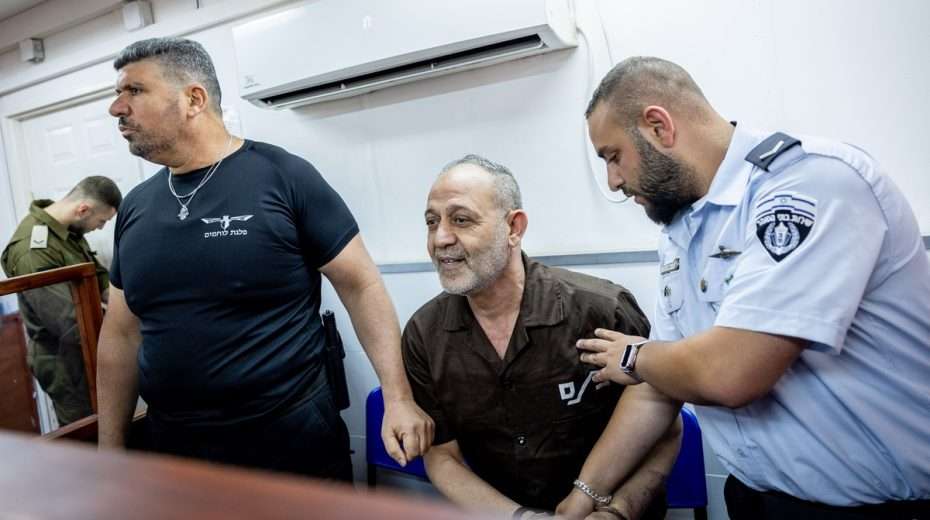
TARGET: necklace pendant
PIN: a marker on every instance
(183, 213)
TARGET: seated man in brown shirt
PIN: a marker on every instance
(493, 361)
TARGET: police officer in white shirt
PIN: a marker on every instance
(793, 308)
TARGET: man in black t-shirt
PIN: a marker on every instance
(214, 311)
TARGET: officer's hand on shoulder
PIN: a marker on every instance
(605, 351)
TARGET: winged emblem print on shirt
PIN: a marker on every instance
(225, 220)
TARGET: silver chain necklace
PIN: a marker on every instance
(184, 212)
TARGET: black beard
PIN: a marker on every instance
(666, 184)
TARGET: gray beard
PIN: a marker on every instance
(484, 269)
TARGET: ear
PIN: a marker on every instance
(83, 209)
(197, 99)
(517, 220)
(660, 125)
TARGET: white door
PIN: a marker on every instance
(64, 146)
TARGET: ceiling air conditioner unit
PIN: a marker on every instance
(332, 49)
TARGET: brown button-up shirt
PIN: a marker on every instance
(527, 422)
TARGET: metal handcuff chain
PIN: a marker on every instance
(184, 212)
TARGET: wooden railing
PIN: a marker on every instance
(87, 310)
(62, 480)
(86, 430)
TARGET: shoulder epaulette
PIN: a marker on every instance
(770, 148)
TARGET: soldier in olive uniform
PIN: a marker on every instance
(52, 236)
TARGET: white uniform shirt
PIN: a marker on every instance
(823, 247)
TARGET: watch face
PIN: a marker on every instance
(627, 354)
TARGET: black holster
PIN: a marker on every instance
(335, 368)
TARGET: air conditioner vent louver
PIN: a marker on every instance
(332, 49)
(406, 73)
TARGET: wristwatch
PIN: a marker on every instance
(628, 360)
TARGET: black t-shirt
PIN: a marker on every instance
(228, 299)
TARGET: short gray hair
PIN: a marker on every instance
(181, 60)
(640, 81)
(506, 189)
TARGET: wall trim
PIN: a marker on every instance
(92, 93)
(625, 257)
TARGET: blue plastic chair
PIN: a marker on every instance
(686, 486)
(375, 453)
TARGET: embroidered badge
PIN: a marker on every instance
(783, 222)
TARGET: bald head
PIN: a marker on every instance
(641, 81)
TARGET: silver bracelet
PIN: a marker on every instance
(599, 499)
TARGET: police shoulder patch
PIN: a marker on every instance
(769, 149)
(783, 222)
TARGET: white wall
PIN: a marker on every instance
(852, 69)
(795, 67)
(7, 223)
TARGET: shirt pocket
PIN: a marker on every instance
(715, 281)
(671, 293)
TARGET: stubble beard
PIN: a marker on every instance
(481, 268)
(152, 143)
